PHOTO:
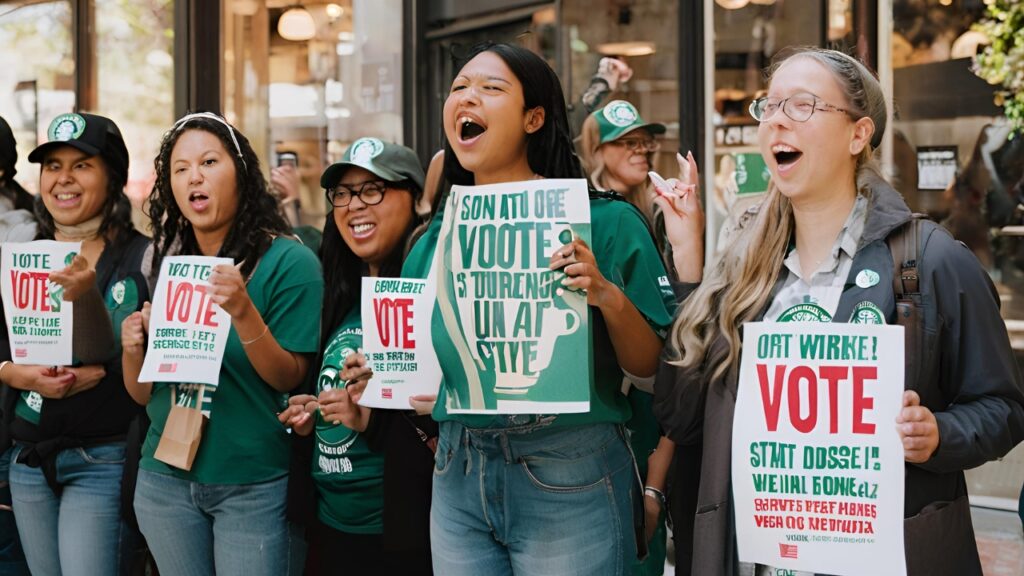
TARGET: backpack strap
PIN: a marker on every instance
(905, 246)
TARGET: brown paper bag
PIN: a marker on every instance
(182, 433)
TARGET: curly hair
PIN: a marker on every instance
(255, 224)
(116, 227)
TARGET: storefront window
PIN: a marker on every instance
(643, 34)
(748, 34)
(953, 159)
(38, 83)
(134, 63)
(312, 77)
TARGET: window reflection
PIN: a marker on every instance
(38, 84)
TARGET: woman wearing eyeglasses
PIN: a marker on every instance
(823, 224)
(617, 148)
(371, 468)
(226, 515)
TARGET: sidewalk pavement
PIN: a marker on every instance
(1000, 541)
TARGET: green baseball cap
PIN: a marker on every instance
(619, 118)
(392, 162)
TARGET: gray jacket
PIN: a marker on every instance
(973, 386)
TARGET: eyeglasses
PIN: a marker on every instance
(638, 144)
(370, 192)
(799, 108)
(211, 116)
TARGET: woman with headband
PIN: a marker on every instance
(824, 223)
(70, 424)
(226, 515)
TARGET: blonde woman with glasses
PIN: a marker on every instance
(823, 224)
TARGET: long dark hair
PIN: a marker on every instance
(343, 270)
(256, 222)
(116, 227)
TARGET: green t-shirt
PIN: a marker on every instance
(627, 257)
(349, 476)
(121, 299)
(243, 442)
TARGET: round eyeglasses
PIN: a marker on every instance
(638, 144)
(799, 107)
(370, 193)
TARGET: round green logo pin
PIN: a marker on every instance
(867, 313)
(620, 113)
(805, 313)
(66, 127)
(867, 278)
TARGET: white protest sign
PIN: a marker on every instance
(396, 316)
(187, 331)
(39, 321)
(817, 463)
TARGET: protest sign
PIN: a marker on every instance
(187, 331)
(817, 463)
(38, 318)
(396, 340)
(514, 341)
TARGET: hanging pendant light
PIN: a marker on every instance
(732, 4)
(296, 24)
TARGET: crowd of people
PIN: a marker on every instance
(429, 490)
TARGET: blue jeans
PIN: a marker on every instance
(532, 500)
(81, 531)
(225, 529)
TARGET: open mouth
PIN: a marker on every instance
(198, 200)
(785, 155)
(469, 129)
(66, 196)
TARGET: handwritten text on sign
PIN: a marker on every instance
(38, 319)
(188, 331)
(396, 339)
(817, 462)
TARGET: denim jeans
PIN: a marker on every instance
(198, 529)
(533, 500)
(12, 558)
(81, 531)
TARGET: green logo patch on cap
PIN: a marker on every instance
(365, 149)
(66, 127)
(620, 113)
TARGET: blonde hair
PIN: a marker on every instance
(740, 283)
(596, 170)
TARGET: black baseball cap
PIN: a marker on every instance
(92, 134)
(392, 162)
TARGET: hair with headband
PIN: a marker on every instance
(255, 224)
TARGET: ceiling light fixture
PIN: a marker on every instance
(296, 24)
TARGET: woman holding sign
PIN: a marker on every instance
(817, 251)
(371, 467)
(531, 493)
(70, 424)
(226, 514)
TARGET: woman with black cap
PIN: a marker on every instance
(70, 424)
